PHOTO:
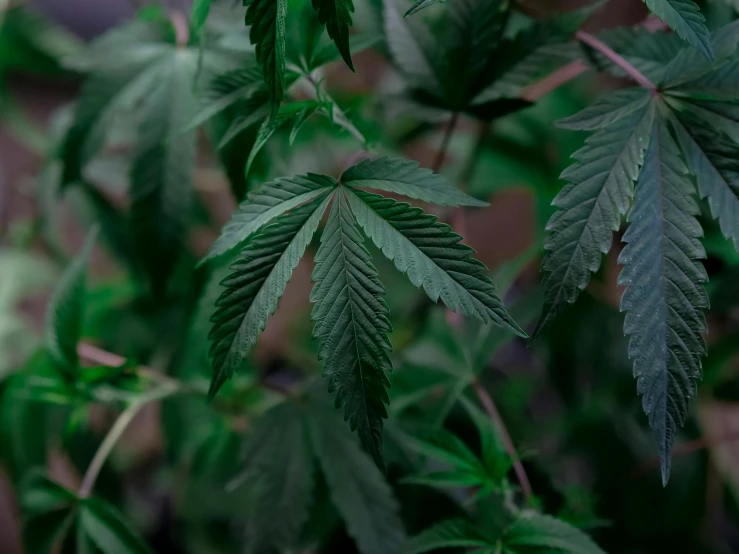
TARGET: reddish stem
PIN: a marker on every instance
(616, 58)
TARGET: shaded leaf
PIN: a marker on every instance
(450, 533)
(336, 15)
(684, 17)
(533, 533)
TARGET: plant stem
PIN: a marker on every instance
(441, 154)
(494, 414)
(616, 58)
(106, 447)
(181, 27)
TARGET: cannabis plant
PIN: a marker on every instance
(228, 171)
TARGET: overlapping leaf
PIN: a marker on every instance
(684, 17)
(664, 297)
(352, 326)
(336, 15)
(592, 205)
(255, 285)
(431, 254)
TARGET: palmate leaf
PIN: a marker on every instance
(450, 533)
(265, 203)
(405, 177)
(431, 254)
(279, 473)
(352, 326)
(533, 533)
(66, 311)
(267, 21)
(336, 15)
(358, 489)
(711, 157)
(162, 169)
(664, 296)
(684, 17)
(592, 205)
(256, 283)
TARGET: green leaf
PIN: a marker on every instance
(336, 15)
(591, 208)
(684, 17)
(66, 311)
(450, 533)
(48, 510)
(300, 119)
(248, 112)
(43, 532)
(664, 296)
(279, 475)
(264, 204)
(711, 157)
(327, 53)
(606, 110)
(162, 170)
(534, 533)
(200, 10)
(107, 529)
(405, 177)
(267, 21)
(287, 113)
(225, 90)
(420, 5)
(432, 256)
(255, 285)
(40, 494)
(352, 327)
(359, 491)
(446, 447)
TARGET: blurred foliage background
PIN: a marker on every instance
(568, 399)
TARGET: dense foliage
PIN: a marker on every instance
(406, 410)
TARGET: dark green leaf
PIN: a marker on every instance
(534, 533)
(451, 533)
(336, 15)
(107, 529)
(420, 5)
(684, 17)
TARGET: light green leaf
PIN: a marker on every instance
(162, 170)
(336, 15)
(265, 203)
(200, 10)
(591, 207)
(267, 21)
(664, 297)
(407, 178)
(255, 285)
(432, 256)
(684, 17)
(107, 529)
(279, 476)
(352, 327)
(534, 533)
(66, 311)
(450, 533)
(359, 491)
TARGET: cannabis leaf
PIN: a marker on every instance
(267, 21)
(351, 324)
(66, 311)
(684, 17)
(450, 533)
(279, 473)
(432, 256)
(592, 205)
(103, 526)
(265, 203)
(336, 15)
(358, 489)
(255, 285)
(420, 5)
(200, 10)
(407, 178)
(664, 297)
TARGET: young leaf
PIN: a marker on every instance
(534, 533)
(336, 15)
(351, 324)
(162, 170)
(279, 474)
(264, 204)
(267, 21)
(664, 296)
(450, 533)
(432, 256)
(591, 207)
(200, 9)
(66, 311)
(684, 17)
(255, 285)
(358, 489)
(405, 177)
(108, 530)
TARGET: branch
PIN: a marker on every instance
(616, 58)
(494, 414)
